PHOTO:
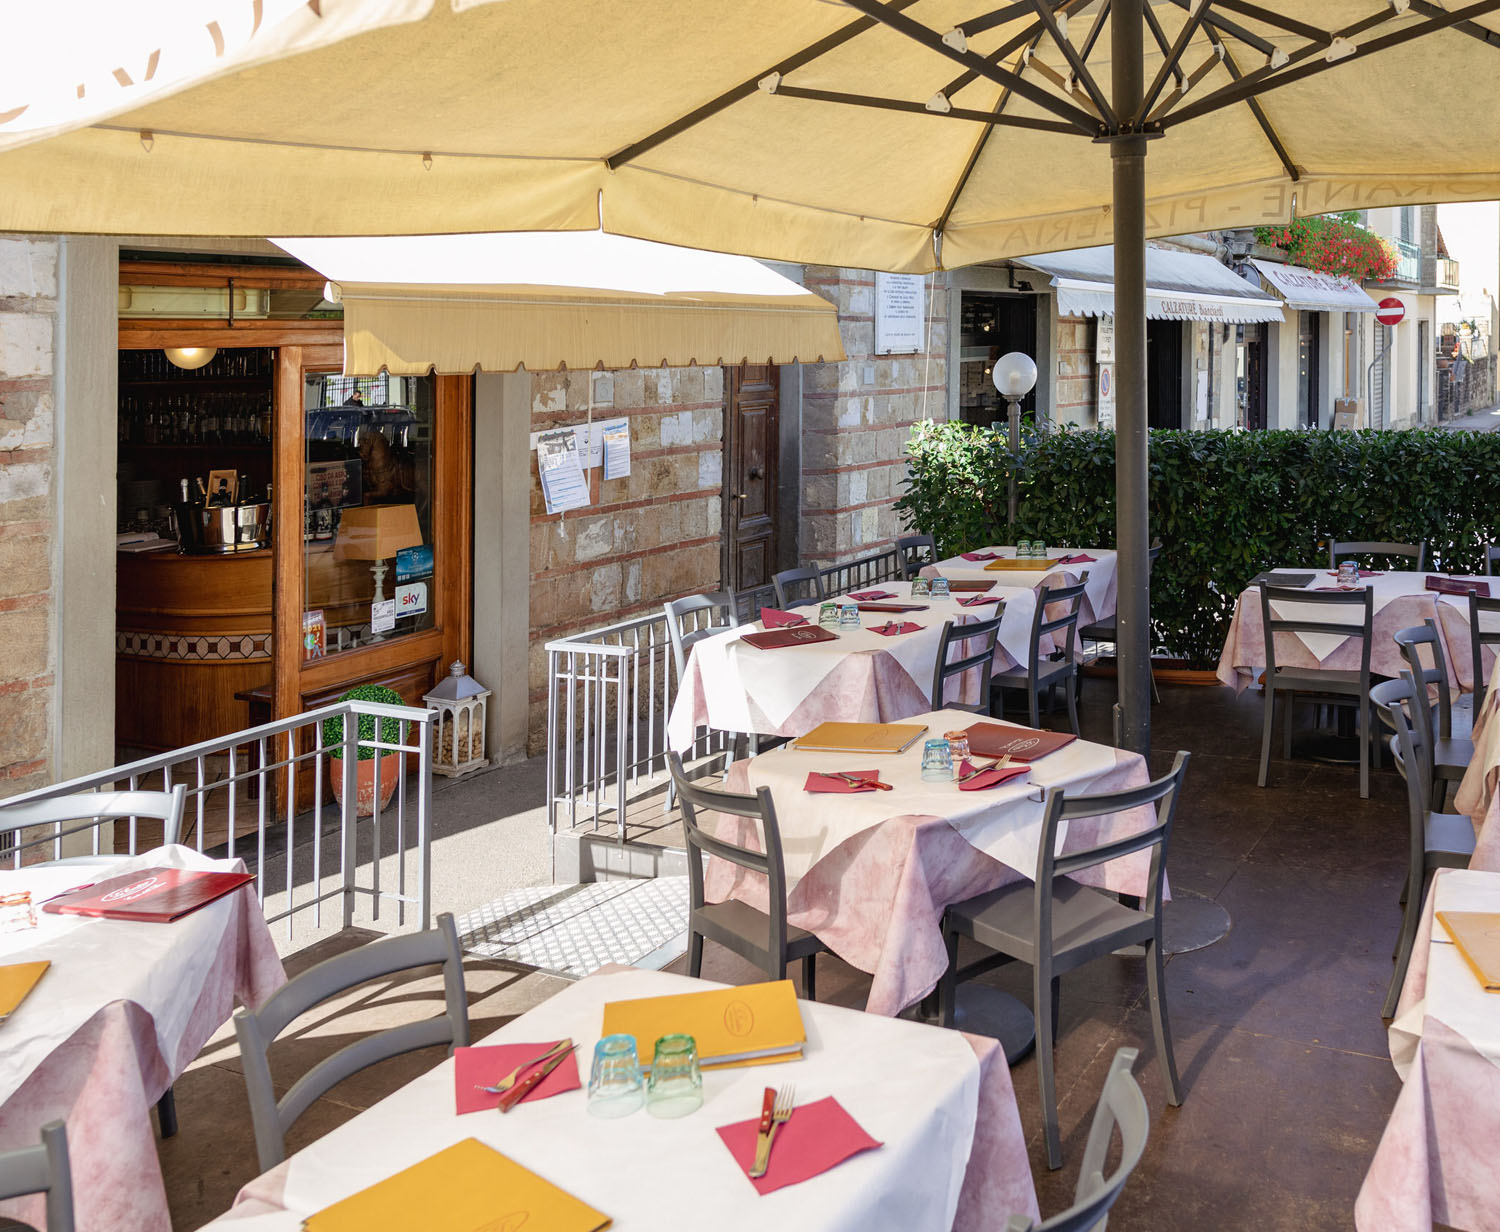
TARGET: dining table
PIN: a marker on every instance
(1477, 794)
(1401, 600)
(1060, 567)
(123, 1009)
(940, 1104)
(1435, 1163)
(871, 872)
(857, 676)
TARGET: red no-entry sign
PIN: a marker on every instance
(1390, 311)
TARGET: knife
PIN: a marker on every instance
(855, 781)
(528, 1084)
(505, 1084)
(763, 1134)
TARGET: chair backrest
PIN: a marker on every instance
(1047, 620)
(1491, 555)
(916, 551)
(1060, 806)
(1340, 550)
(1121, 1105)
(92, 809)
(1394, 700)
(976, 643)
(1411, 642)
(768, 861)
(256, 1029)
(717, 603)
(795, 587)
(42, 1169)
(1479, 638)
(1360, 602)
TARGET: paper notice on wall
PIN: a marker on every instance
(382, 616)
(900, 309)
(614, 438)
(1104, 341)
(565, 484)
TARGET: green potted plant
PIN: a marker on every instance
(389, 762)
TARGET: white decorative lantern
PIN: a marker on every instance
(461, 703)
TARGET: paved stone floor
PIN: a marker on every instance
(1277, 1026)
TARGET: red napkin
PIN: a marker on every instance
(775, 618)
(1362, 573)
(832, 783)
(990, 778)
(1083, 558)
(486, 1065)
(891, 628)
(978, 600)
(870, 596)
(981, 555)
(817, 1137)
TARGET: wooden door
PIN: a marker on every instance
(751, 445)
(1255, 377)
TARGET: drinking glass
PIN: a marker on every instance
(1348, 573)
(828, 614)
(849, 616)
(937, 761)
(675, 1087)
(921, 588)
(615, 1081)
(1023, 549)
(958, 745)
(1039, 549)
(940, 588)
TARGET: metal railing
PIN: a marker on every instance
(317, 749)
(1408, 261)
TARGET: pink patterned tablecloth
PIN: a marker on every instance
(1100, 592)
(1436, 1160)
(995, 1181)
(1401, 602)
(870, 874)
(1477, 795)
(98, 1056)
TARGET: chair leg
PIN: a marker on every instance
(810, 977)
(1267, 725)
(1288, 706)
(695, 954)
(948, 985)
(1032, 697)
(1156, 982)
(166, 1114)
(1041, 999)
(1072, 709)
(1416, 894)
(1155, 692)
(1364, 748)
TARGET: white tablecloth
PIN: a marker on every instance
(1099, 594)
(123, 1009)
(915, 1088)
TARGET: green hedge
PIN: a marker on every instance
(1225, 505)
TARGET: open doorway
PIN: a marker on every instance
(992, 325)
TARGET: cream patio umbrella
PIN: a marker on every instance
(891, 134)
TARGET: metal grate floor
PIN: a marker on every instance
(573, 930)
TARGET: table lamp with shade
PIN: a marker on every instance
(376, 533)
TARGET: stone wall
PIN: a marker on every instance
(857, 417)
(651, 536)
(28, 317)
(1076, 393)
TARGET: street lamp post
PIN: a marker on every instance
(1014, 375)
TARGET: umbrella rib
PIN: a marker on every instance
(1472, 29)
(900, 104)
(1153, 23)
(1070, 53)
(1290, 24)
(746, 88)
(998, 17)
(1172, 61)
(1248, 37)
(1028, 35)
(1260, 117)
(925, 36)
(1096, 29)
(1265, 80)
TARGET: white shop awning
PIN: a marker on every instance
(543, 300)
(1180, 286)
(1310, 291)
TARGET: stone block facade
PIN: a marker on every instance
(1077, 372)
(28, 326)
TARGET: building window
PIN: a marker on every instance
(1309, 368)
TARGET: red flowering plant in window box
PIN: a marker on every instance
(1334, 244)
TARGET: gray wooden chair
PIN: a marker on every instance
(91, 810)
(1343, 550)
(1438, 840)
(1062, 668)
(722, 609)
(985, 633)
(42, 1169)
(764, 938)
(257, 1029)
(1450, 755)
(1491, 555)
(1121, 1105)
(1479, 638)
(1338, 688)
(1057, 925)
(798, 587)
(1107, 630)
(914, 551)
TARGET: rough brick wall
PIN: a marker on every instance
(857, 417)
(651, 536)
(28, 315)
(1077, 397)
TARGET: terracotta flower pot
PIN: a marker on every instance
(364, 777)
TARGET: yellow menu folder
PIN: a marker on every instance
(861, 737)
(1476, 934)
(16, 980)
(467, 1188)
(748, 1025)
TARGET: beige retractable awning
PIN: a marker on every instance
(540, 300)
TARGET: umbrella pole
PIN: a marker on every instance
(1132, 517)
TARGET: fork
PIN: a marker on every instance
(998, 764)
(786, 1101)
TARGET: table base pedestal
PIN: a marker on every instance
(980, 1010)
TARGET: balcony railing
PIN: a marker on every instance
(1409, 263)
(1445, 273)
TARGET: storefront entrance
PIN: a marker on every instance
(1164, 374)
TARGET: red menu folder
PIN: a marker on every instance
(158, 895)
(797, 635)
(1020, 743)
